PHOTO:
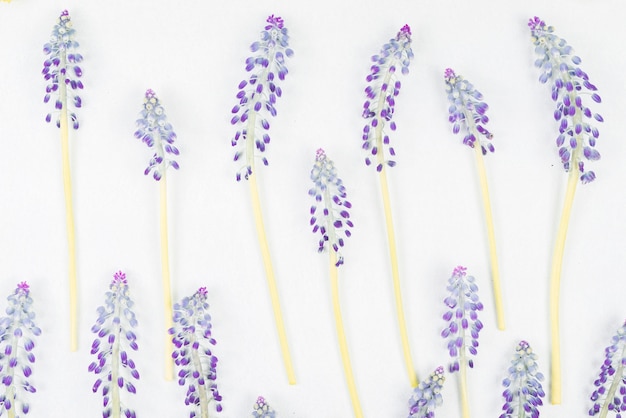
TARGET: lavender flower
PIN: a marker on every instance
(329, 191)
(262, 409)
(258, 95)
(523, 385)
(570, 86)
(192, 354)
(115, 336)
(381, 95)
(155, 131)
(17, 331)
(61, 69)
(610, 392)
(427, 396)
(467, 111)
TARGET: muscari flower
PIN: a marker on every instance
(610, 391)
(258, 94)
(17, 331)
(427, 396)
(523, 391)
(115, 338)
(570, 89)
(382, 90)
(61, 69)
(333, 220)
(262, 409)
(197, 365)
(156, 132)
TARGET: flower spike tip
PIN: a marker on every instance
(427, 396)
(610, 386)
(523, 394)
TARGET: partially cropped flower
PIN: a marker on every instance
(17, 331)
(258, 94)
(467, 111)
(571, 89)
(610, 392)
(382, 90)
(462, 318)
(427, 396)
(156, 132)
(333, 219)
(115, 338)
(262, 409)
(197, 365)
(61, 70)
(524, 393)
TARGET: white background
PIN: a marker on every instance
(192, 54)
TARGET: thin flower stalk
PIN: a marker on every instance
(463, 328)
(192, 353)
(62, 72)
(427, 396)
(112, 347)
(523, 394)
(257, 99)
(571, 89)
(467, 112)
(609, 394)
(379, 107)
(17, 333)
(157, 133)
(332, 221)
(262, 409)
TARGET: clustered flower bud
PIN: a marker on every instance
(427, 396)
(262, 409)
(610, 386)
(523, 391)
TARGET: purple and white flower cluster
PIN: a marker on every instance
(523, 394)
(610, 391)
(262, 409)
(427, 396)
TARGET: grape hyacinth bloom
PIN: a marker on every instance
(463, 327)
(257, 103)
(610, 386)
(378, 109)
(333, 220)
(258, 94)
(17, 333)
(427, 396)
(262, 409)
(468, 112)
(571, 89)
(523, 394)
(112, 347)
(196, 363)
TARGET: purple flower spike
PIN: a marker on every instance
(570, 87)
(381, 92)
(467, 112)
(196, 363)
(17, 331)
(523, 394)
(332, 219)
(262, 409)
(610, 386)
(156, 132)
(60, 69)
(258, 94)
(427, 396)
(113, 366)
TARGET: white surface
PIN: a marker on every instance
(192, 54)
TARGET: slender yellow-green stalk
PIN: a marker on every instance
(165, 274)
(341, 336)
(465, 411)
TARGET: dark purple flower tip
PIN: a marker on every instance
(536, 23)
(276, 21)
(449, 74)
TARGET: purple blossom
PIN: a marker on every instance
(258, 94)
(113, 366)
(156, 132)
(262, 409)
(463, 325)
(570, 88)
(610, 386)
(332, 220)
(427, 396)
(381, 92)
(523, 394)
(467, 111)
(197, 365)
(61, 69)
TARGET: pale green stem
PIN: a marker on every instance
(197, 365)
(463, 366)
(116, 409)
(165, 272)
(11, 389)
(521, 413)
